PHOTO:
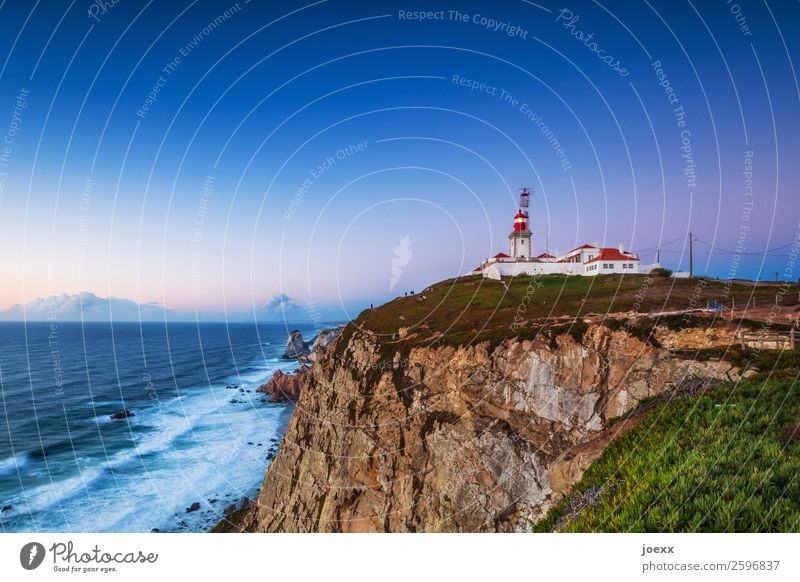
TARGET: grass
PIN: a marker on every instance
(471, 309)
(725, 461)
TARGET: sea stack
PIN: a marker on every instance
(296, 348)
(284, 386)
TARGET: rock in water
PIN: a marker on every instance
(325, 338)
(193, 507)
(296, 348)
(120, 414)
(284, 386)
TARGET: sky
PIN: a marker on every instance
(303, 160)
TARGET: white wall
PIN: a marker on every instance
(511, 269)
(616, 268)
(520, 246)
(495, 269)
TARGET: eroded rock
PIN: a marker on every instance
(456, 438)
(283, 386)
(296, 348)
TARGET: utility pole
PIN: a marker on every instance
(547, 243)
(691, 256)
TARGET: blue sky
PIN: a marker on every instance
(268, 158)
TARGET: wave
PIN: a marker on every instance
(199, 442)
(10, 465)
(197, 448)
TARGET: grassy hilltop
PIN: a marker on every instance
(473, 309)
(726, 458)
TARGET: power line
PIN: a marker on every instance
(662, 245)
(762, 252)
(686, 252)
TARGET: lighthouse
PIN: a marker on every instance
(520, 237)
(585, 260)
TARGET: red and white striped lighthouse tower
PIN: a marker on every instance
(520, 237)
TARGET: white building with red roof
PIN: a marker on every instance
(587, 260)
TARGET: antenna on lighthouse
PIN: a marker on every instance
(524, 199)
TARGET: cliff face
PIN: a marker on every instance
(284, 386)
(455, 439)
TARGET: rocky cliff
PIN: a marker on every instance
(388, 437)
(284, 386)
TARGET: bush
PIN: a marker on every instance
(661, 272)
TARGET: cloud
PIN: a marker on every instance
(279, 303)
(84, 307)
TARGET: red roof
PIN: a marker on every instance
(545, 256)
(581, 247)
(611, 254)
(501, 256)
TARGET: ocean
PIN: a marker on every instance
(200, 433)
